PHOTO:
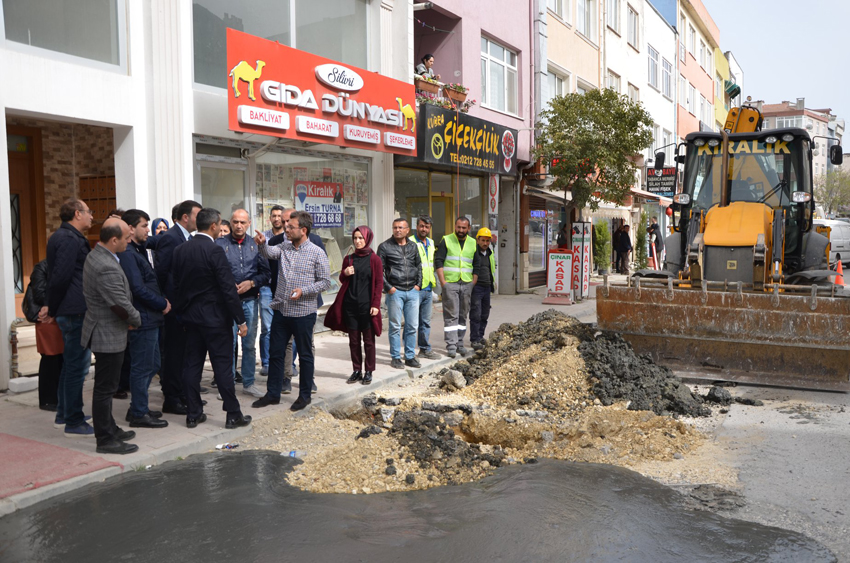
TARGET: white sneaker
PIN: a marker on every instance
(254, 391)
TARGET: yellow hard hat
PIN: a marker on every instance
(484, 232)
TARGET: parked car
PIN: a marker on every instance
(839, 239)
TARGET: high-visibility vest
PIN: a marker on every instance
(458, 264)
(493, 268)
(427, 259)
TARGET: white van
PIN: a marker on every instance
(839, 239)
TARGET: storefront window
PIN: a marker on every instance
(275, 178)
(472, 202)
(411, 194)
(222, 189)
(537, 239)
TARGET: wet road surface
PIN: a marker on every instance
(237, 507)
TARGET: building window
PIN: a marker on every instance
(586, 18)
(336, 29)
(613, 81)
(656, 136)
(765, 123)
(718, 87)
(667, 139)
(653, 66)
(614, 15)
(691, 39)
(789, 121)
(701, 53)
(582, 87)
(634, 93)
(692, 102)
(90, 29)
(498, 77)
(559, 7)
(703, 107)
(667, 78)
(557, 85)
(633, 31)
(683, 91)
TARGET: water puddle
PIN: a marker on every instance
(237, 507)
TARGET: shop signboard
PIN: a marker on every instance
(558, 268)
(661, 182)
(581, 260)
(279, 91)
(458, 139)
(322, 200)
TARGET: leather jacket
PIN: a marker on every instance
(402, 265)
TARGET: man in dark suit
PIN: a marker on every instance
(109, 312)
(208, 304)
(174, 338)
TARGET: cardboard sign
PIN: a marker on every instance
(279, 91)
(560, 264)
(322, 200)
(580, 281)
(661, 182)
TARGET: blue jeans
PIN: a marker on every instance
(403, 303)
(284, 328)
(143, 345)
(426, 297)
(265, 323)
(249, 347)
(75, 368)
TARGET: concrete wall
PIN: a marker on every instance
(572, 51)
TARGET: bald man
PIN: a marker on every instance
(109, 314)
(251, 272)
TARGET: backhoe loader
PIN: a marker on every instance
(746, 293)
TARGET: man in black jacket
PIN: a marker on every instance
(175, 333)
(67, 250)
(402, 280)
(143, 343)
(208, 305)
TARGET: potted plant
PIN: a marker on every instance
(602, 256)
(455, 91)
(426, 84)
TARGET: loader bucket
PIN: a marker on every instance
(776, 339)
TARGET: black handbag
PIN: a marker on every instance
(29, 306)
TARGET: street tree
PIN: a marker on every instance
(832, 190)
(591, 142)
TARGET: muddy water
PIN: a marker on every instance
(237, 507)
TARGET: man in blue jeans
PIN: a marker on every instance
(251, 272)
(426, 247)
(67, 250)
(402, 280)
(303, 273)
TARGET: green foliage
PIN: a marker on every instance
(641, 253)
(832, 190)
(593, 136)
(602, 252)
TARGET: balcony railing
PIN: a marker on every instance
(448, 96)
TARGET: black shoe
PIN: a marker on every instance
(213, 383)
(462, 351)
(412, 363)
(193, 422)
(120, 395)
(367, 378)
(264, 402)
(155, 414)
(287, 386)
(119, 448)
(152, 414)
(148, 421)
(397, 364)
(479, 345)
(125, 435)
(204, 390)
(237, 422)
(203, 402)
(238, 378)
(175, 408)
(48, 407)
(313, 388)
(299, 404)
(355, 377)
(451, 354)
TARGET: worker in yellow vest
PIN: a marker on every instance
(453, 265)
(483, 284)
(429, 281)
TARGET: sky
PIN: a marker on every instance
(789, 49)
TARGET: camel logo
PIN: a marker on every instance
(408, 114)
(243, 71)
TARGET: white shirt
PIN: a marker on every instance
(205, 234)
(184, 231)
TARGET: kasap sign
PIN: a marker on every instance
(283, 92)
(322, 200)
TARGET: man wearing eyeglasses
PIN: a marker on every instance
(67, 249)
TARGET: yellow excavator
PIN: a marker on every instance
(746, 293)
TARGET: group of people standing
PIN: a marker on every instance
(163, 303)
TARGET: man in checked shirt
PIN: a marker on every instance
(303, 273)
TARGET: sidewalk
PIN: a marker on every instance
(44, 463)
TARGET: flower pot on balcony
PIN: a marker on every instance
(455, 95)
(426, 86)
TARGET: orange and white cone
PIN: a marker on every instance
(839, 274)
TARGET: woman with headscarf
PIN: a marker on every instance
(357, 307)
(159, 226)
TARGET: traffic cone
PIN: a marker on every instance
(839, 274)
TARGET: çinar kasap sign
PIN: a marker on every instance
(283, 92)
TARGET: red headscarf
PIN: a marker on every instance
(367, 234)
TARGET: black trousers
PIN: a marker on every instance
(171, 372)
(49, 370)
(124, 382)
(107, 372)
(218, 343)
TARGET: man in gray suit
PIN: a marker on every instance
(109, 312)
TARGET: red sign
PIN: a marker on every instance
(283, 92)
